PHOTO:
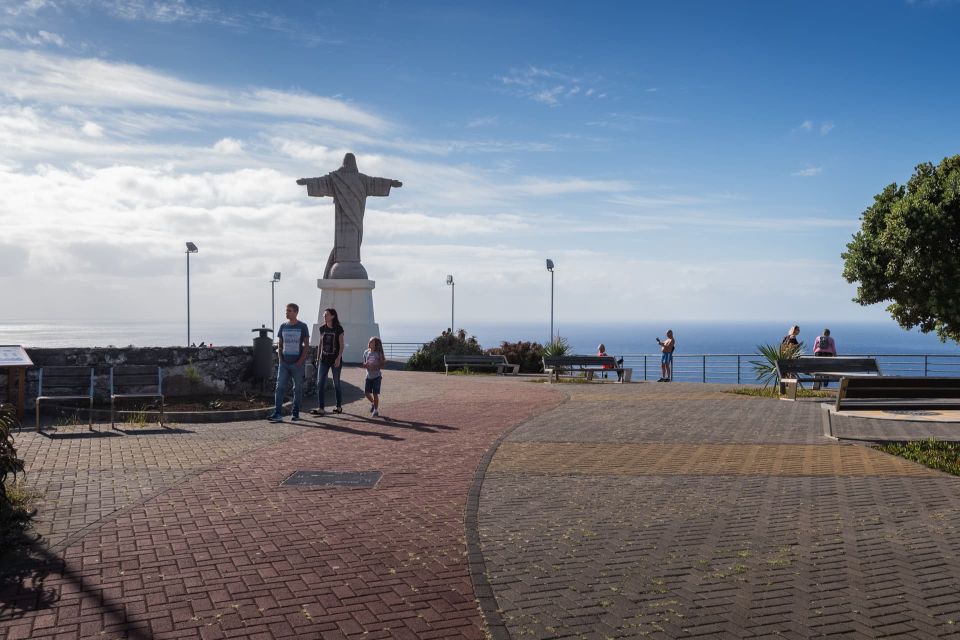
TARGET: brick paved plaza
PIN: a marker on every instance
(506, 509)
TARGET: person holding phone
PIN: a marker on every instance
(666, 356)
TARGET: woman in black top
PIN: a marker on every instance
(330, 358)
(790, 340)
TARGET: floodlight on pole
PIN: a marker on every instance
(273, 305)
(550, 269)
(191, 248)
(452, 287)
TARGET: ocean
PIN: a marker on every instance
(620, 339)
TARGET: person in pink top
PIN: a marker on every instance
(824, 345)
(373, 361)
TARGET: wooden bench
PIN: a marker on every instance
(555, 365)
(898, 392)
(491, 362)
(135, 381)
(793, 372)
(65, 383)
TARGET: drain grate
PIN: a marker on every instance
(352, 479)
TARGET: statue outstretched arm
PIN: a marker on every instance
(379, 186)
(317, 187)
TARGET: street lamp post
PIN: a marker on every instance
(273, 305)
(550, 269)
(191, 248)
(452, 287)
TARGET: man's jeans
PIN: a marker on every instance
(285, 372)
(322, 383)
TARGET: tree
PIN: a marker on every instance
(908, 251)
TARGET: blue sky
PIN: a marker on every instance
(677, 160)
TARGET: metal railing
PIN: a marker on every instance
(400, 351)
(738, 368)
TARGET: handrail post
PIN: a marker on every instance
(704, 368)
(644, 368)
(926, 360)
(738, 368)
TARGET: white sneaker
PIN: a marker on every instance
(375, 413)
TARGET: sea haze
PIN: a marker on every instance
(620, 338)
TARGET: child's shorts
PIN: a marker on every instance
(372, 385)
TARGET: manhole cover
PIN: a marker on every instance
(357, 479)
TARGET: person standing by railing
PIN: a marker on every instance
(666, 356)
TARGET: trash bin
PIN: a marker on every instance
(263, 365)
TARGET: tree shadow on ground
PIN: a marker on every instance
(24, 567)
(26, 564)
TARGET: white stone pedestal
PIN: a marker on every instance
(353, 300)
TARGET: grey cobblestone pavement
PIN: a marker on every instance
(676, 511)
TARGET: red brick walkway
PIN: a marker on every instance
(228, 552)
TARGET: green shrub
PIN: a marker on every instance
(10, 464)
(430, 356)
(529, 355)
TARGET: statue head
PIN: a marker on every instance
(350, 163)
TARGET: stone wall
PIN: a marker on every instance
(186, 370)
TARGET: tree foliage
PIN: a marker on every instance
(430, 356)
(529, 355)
(907, 251)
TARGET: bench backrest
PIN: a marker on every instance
(789, 367)
(899, 387)
(579, 361)
(474, 359)
(141, 378)
(54, 381)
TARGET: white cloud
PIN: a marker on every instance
(92, 129)
(30, 7)
(488, 121)
(548, 86)
(550, 96)
(228, 146)
(808, 172)
(89, 82)
(825, 128)
(807, 125)
(41, 38)
(561, 186)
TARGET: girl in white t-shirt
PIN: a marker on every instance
(373, 361)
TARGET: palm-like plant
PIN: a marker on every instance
(765, 367)
(559, 346)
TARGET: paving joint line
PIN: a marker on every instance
(482, 590)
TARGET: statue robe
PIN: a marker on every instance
(349, 190)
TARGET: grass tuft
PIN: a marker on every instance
(935, 454)
(771, 392)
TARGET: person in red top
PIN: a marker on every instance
(602, 352)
